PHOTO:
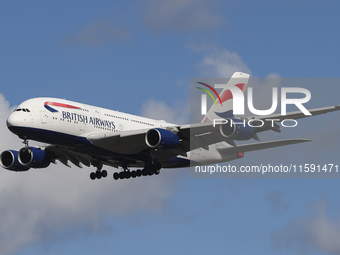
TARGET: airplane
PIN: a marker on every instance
(87, 135)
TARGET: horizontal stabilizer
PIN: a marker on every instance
(261, 146)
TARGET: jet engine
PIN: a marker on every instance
(236, 129)
(161, 139)
(9, 161)
(33, 157)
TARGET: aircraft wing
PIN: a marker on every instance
(290, 115)
(65, 156)
(191, 136)
(129, 144)
(124, 142)
(261, 145)
(68, 155)
(298, 114)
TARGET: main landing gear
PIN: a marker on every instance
(126, 173)
(148, 170)
(99, 173)
(133, 174)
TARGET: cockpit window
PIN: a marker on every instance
(22, 109)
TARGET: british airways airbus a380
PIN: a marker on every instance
(88, 135)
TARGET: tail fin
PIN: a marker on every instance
(224, 107)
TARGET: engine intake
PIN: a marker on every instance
(161, 139)
(33, 157)
(9, 161)
(237, 129)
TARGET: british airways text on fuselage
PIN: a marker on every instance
(88, 120)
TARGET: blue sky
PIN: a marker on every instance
(138, 57)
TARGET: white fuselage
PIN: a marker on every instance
(76, 118)
(52, 117)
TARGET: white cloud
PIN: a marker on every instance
(219, 62)
(6, 135)
(97, 33)
(159, 110)
(182, 15)
(316, 231)
(40, 204)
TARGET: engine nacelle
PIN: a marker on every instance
(33, 157)
(161, 139)
(9, 161)
(237, 129)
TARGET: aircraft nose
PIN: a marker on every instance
(11, 121)
(15, 124)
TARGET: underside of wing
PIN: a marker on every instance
(154, 143)
(261, 145)
(67, 156)
(125, 142)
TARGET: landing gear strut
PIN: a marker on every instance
(26, 143)
(125, 174)
(99, 173)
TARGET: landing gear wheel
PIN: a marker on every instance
(98, 175)
(116, 176)
(133, 174)
(104, 173)
(121, 175)
(93, 176)
(139, 173)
